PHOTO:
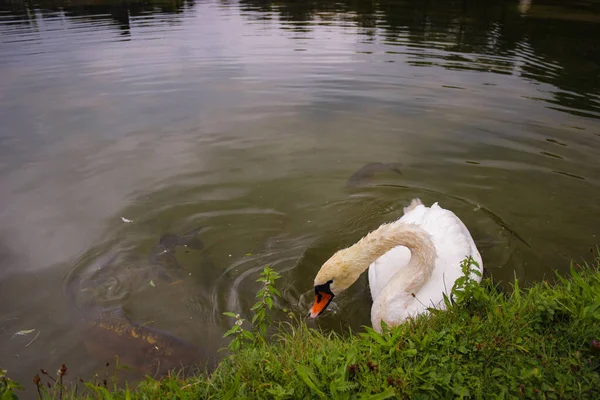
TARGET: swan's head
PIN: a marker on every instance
(336, 275)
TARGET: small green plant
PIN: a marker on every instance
(8, 387)
(265, 297)
(239, 333)
(466, 291)
(261, 319)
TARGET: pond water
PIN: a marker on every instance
(246, 118)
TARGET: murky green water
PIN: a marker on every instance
(247, 118)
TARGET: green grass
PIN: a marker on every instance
(540, 342)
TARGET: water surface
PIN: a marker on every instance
(247, 118)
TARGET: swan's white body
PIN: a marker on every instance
(453, 243)
(412, 262)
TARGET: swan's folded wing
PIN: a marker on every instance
(453, 244)
(385, 267)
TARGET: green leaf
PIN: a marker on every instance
(386, 394)
(410, 352)
(234, 345)
(308, 377)
(274, 291)
(260, 315)
(248, 335)
(228, 333)
(374, 335)
(461, 391)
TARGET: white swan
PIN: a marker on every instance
(411, 261)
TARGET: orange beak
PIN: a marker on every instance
(322, 300)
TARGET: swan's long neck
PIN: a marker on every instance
(388, 236)
(399, 290)
(346, 265)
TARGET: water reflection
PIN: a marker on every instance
(502, 37)
(119, 13)
(534, 40)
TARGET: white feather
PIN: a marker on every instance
(453, 243)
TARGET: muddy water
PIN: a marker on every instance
(247, 118)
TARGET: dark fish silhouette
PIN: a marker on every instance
(366, 173)
(163, 259)
(107, 332)
(169, 241)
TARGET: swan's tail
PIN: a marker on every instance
(413, 204)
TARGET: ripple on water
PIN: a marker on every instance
(364, 211)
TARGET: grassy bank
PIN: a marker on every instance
(542, 342)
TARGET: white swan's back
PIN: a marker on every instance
(453, 243)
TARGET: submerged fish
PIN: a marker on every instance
(107, 332)
(163, 254)
(169, 241)
(366, 173)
